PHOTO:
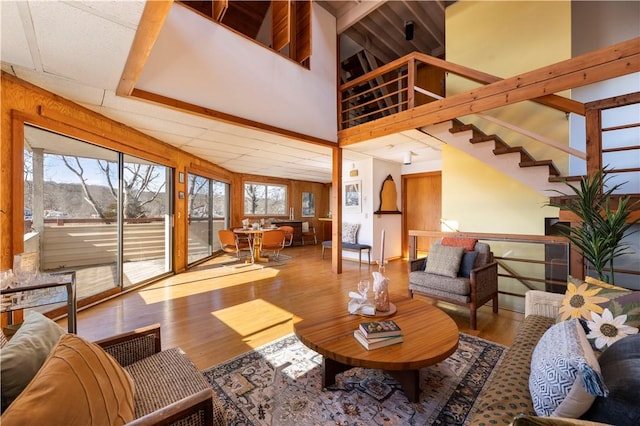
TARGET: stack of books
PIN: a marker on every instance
(378, 334)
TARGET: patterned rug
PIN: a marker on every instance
(280, 384)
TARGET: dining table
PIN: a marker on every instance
(255, 236)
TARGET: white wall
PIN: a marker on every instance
(206, 64)
(390, 223)
(371, 174)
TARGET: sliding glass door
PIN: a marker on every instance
(208, 212)
(99, 212)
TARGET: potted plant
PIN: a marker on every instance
(602, 227)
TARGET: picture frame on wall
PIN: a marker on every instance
(308, 204)
(352, 197)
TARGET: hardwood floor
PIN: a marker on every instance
(215, 313)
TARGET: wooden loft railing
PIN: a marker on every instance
(392, 88)
(403, 109)
(390, 100)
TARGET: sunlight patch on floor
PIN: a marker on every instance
(270, 315)
(189, 284)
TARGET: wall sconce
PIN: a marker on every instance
(353, 172)
(407, 158)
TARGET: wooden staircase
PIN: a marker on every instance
(502, 148)
(514, 161)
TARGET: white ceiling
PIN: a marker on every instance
(78, 49)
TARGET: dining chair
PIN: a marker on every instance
(272, 241)
(308, 231)
(288, 235)
(230, 243)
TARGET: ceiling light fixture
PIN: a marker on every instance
(407, 158)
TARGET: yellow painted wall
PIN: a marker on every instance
(506, 39)
(483, 199)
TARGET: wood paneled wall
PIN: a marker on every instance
(295, 189)
(23, 102)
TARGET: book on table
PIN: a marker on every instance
(376, 342)
(385, 328)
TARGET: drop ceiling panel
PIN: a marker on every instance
(217, 146)
(80, 46)
(15, 47)
(126, 13)
(65, 88)
(153, 110)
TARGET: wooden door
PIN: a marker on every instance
(421, 207)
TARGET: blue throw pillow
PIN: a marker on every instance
(466, 264)
(565, 376)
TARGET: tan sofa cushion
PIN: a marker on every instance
(79, 384)
(507, 394)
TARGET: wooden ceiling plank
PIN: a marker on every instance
(363, 41)
(353, 12)
(397, 23)
(425, 21)
(151, 22)
(382, 34)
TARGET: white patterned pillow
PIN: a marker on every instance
(350, 232)
(565, 375)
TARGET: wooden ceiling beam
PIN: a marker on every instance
(151, 22)
(603, 64)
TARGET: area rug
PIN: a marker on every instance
(280, 384)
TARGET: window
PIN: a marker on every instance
(265, 199)
(208, 212)
(102, 213)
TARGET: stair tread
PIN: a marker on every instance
(501, 147)
(565, 178)
(549, 163)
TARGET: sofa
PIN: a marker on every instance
(507, 399)
(458, 270)
(53, 377)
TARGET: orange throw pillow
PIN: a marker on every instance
(468, 243)
(78, 384)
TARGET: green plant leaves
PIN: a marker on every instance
(598, 237)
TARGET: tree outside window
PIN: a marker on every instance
(265, 199)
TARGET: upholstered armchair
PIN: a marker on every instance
(58, 378)
(455, 275)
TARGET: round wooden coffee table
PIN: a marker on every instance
(430, 336)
